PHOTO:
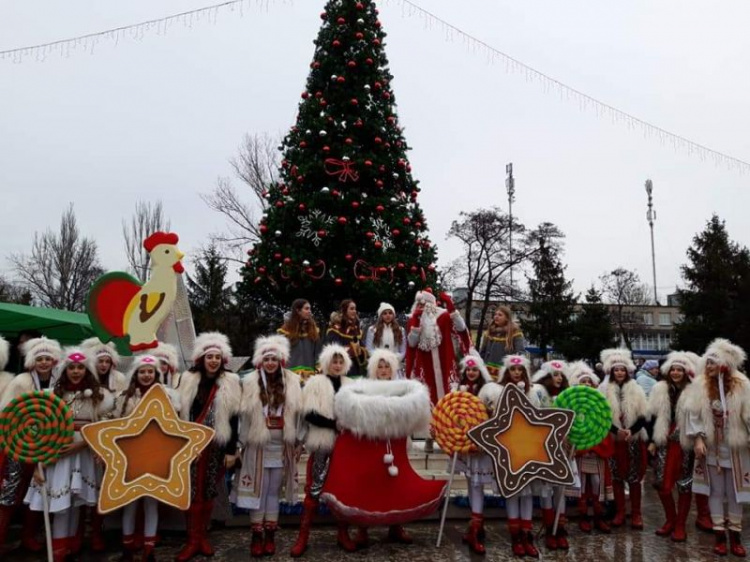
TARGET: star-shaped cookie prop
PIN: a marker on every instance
(147, 454)
(525, 442)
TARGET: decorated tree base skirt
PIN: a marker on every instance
(361, 490)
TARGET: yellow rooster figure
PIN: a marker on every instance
(129, 313)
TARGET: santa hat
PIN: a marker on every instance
(549, 368)
(516, 360)
(97, 349)
(168, 353)
(472, 360)
(73, 355)
(276, 346)
(40, 347)
(723, 352)
(4, 352)
(619, 357)
(579, 371)
(329, 352)
(385, 355)
(678, 359)
(425, 297)
(211, 341)
(141, 361)
(385, 306)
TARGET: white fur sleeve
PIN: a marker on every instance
(413, 337)
(458, 322)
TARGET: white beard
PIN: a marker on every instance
(429, 334)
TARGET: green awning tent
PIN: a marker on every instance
(64, 326)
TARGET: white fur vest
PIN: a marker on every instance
(319, 396)
(660, 410)
(20, 384)
(490, 395)
(226, 402)
(628, 403)
(5, 379)
(698, 404)
(117, 382)
(254, 432)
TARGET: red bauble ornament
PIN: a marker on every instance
(355, 204)
(381, 169)
(338, 282)
(302, 207)
(316, 64)
(336, 43)
(257, 280)
(431, 267)
(417, 224)
(401, 163)
(377, 85)
(341, 21)
(386, 95)
(342, 220)
(362, 278)
(379, 183)
(322, 233)
(414, 194)
(355, 101)
(287, 261)
(300, 179)
(391, 119)
(358, 123)
(369, 61)
(318, 94)
(308, 270)
(400, 265)
(326, 149)
(376, 42)
(413, 269)
(349, 140)
(359, 35)
(360, 6)
(418, 241)
(351, 64)
(368, 163)
(305, 95)
(323, 103)
(261, 269)
(323, 15)
(380, 208)
(279, 204)
(396, 232)
(378, 140)
(348, 257)
(378, 244)
(370, 235)
(340, 79)
(335, 193)
(263, 229)
(407, 220)
(277, 256)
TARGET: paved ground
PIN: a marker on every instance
(232, 544)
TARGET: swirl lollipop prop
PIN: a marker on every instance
(453, 416)
(35, 428)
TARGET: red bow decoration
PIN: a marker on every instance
(363, 271)
(309, 270)
(343, 169)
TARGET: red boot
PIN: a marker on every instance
(720, 547)
(193, 524)
(309, 507)
(703, 519)
(619, 489)
(206, 548)
(256, 543)
(516, 537)
(683, 508)
(667, 501)
(562, 535)
(584, 522)
(397, 534)
(60, 549)
(548, 519)
(149, 545)
(344, 540)
(362, 539)
(599, 520)
(528, 539)
(636, 521)
(472, 534)
(6, 513)
(269, 545)
(32, 520)
(735, 544)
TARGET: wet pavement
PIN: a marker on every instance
(623, 545)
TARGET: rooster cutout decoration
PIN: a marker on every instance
(127, 312)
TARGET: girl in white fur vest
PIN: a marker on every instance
(717, 418)
(629, 419)
(269, 415)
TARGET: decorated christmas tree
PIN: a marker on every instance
(344, 221)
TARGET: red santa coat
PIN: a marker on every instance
(436, 366)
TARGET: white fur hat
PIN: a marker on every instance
(618, 357)
(141, 360)
(579, 371)
(40, 347)
(550, 367)
(327, 354)
(679, 359)
(72, 355)
(278, 346)
(4, 352)
(211, 341)
(472, 360)
(512, 360)
(385, 306)
(385, 355)
(98, 349)
(425, 297)
(168, 353)
(724, 352)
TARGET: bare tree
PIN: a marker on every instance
(62, 266)
(624, 290)
(485, 266)
(13, 293)
(147, 219)
(256, 166)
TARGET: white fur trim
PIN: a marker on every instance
(522, 360)
(168, 353)
(628, 401)
(318, 396)
(327, 354)
(4, 352)
(617, 357)
(141, 360)
(580, 370)
(37, 347)
(211, 340)
(550, 367)
(276, 345)
(385, 355)
(659, 410)
(383, 409)
(383, 307)
(490, 395)
(227, 401)
(253, 430)
(89, 361)
(479, 363)
(679, 359)
(98, 349)
(724, 352)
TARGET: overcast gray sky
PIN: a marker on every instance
(157, 117)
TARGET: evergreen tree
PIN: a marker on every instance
(552, 301)
(343, 220)
(590, 332)
(210, 296)
(716, 302)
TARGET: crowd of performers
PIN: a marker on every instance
(694, 426)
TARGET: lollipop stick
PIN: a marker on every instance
(45, 503)
(447, 499)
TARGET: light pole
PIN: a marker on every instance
(510, 186)
(651, 217)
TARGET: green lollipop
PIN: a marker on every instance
(593, 415)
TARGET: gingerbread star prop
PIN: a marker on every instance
(525, 443)
(147, 454)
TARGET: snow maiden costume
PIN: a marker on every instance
(168, 364)
(386, 335)
(717, 418)
(212, 398)
(113, 380)
(269, 413)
